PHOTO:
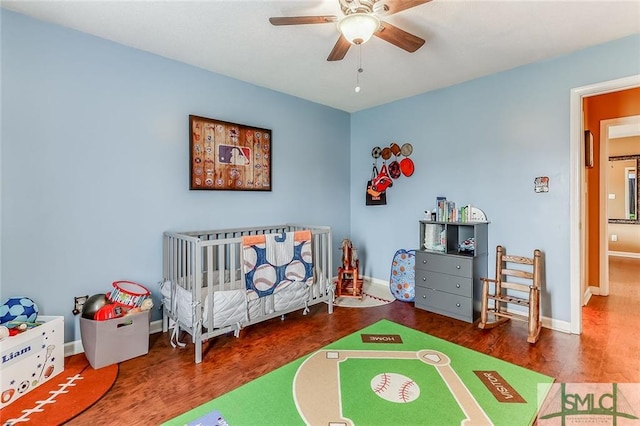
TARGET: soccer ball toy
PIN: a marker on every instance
(18, 309)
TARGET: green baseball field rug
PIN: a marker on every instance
(384, 374)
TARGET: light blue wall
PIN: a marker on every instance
(483, 142)
(94, 161)
(94, 167)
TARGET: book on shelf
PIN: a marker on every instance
(440, 203)
(446, 211)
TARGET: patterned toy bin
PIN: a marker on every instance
(31, 358)
(112, 341)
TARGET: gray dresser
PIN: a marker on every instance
(447, 279)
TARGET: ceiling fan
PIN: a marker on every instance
(361, 20)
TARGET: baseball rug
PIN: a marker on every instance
(385, 374)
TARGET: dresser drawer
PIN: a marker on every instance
(450, 283)
(452, 265)
(444, 303)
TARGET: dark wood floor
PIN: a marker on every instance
(165, 383)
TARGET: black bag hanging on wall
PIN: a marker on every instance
(375, 198)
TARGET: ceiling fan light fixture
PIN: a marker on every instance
(358, 28)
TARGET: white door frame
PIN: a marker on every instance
(577, 229)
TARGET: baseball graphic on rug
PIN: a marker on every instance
(395, 387)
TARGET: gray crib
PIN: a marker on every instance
(203, 287)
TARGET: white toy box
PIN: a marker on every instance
(31, 358)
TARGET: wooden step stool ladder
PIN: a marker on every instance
(523, 290)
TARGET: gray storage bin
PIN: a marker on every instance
(116, 340)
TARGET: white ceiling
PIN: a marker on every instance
(465, 40)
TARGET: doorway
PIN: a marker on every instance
(577, 255)
(611, 131)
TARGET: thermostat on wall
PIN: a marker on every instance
(541, 184)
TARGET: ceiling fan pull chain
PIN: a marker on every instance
(359, 68)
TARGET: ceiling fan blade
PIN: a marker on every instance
(299, 20)
(339, 50)
(390, 7)
(398, 37)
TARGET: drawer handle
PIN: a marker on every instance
(424, 278)
(457, 266)
(458, 305)
(457, 285)
(424, 296)
(424, 261)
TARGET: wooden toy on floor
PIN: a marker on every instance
(349, 280)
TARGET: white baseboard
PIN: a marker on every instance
(72, 348)
(549, 323)
(587, 295)
(375, 281)
(75, 347)
(556, 325)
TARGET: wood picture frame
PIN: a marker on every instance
(228, 156)
(588, 149)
